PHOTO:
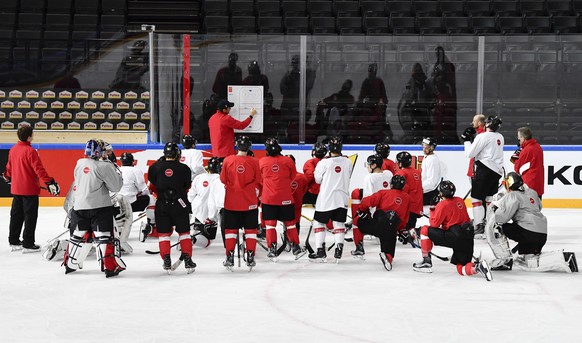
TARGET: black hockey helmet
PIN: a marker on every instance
(431, 141)
(513, 181)
(397, 182)
(272, 147)
(126, 159)
(382, 149)
(93, 149)
(189, 142)
(404, 159)
(375, 159)
(171, 150)
(493, 123)
(319, 150)
(447, 189)
(243, 143)
(335, 145)
(214, 164)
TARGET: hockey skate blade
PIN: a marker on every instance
(359, 257)
(273, 259)
(14, 248)
(317, 260)
(422, 270)
(190, 270)
(29, 251)
(337, 260)
(300, 255)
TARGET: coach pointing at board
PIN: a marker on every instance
(222, 126)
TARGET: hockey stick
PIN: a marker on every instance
(445, 259)
(238, 246)
(140, 216)
(152, 252)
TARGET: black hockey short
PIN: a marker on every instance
(99, 219)
(140, 203)
(309, 198)
(485, 183)
(381, 227)
(337, 215)
(241, 219)
(457, 237)
(172, 214)
(427, 197)
(276, 212)
(529, 242)
(412, 220)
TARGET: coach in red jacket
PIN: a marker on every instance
(24, 170)
(530, 161)
(222, 126)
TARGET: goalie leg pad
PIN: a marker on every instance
(478, 211)
(109, 252)
(546, 261)
(71, 259)
(497, 241)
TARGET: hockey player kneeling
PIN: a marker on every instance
(450, 226)
(528, 227)
(392, 211)
(172, 180)
(93, 212)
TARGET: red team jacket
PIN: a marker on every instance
(308, 169)
(222, 127)
(299, 188)
(413, 187)
(390, 165)
(449, 212)
(241, 177)
(278, 173)
(389, 200)
(25, 168)
(530, 165)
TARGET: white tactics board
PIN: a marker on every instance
(245, 98)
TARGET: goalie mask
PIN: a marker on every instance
(514, 182)
(93, 149)
(447, 189)
(189, 142)
(382, 149)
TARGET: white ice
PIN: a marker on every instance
(287, 301)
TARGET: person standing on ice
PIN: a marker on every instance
(202, 190)
(333, 174)
(450, 226)
(517, 216)
(171, 180)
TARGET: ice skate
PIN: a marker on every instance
(570, 257)
(386, 261)
(30, 249)
(318, 256)
(480, 231)
(112, 273)
(167, 263)
(229, 262)
(483, 268)
(298, 251)
(188, 263)
(16, 247)
(425, 266)
(359, 252)
(251, 260)
(144, 230)
(339, 249)
(272, 254)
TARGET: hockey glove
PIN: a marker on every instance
(515, 156)
(434, 201)
(403, 237)
(468, 134)
(363, 215)
(53, 187)
(6, 178)
(209, 225)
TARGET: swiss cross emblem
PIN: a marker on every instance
(182, 159)
(74, 188)
(275, 168)
(531, 200)
(205, 184)
(240, 169)
(385, 184)
(398, 200)
(86, 170)
(498, 142)
(294, 185)
(169, 172)
(338, 169)
(416, 177)
(459, 205)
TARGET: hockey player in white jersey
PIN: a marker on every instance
(193, 159)
(203, 188)
(376, 180)
(433, 172)
(487, 150)
(517, 215)
(333, 174)
(215, 201)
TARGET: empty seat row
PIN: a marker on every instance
(39, 21)
(63, 6)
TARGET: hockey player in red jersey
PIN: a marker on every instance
(278, 172)
(383, 150)
(333, 174)
(450, 226)
(172, 180)
(318, 152)
(299, 188)
(241, 177)
(376, 180)
(413, 186)
(392, 211)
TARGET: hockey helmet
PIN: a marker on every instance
(382, 149)
(126, 159)
(189, 142)
(292, 158)
(397, 182)
(214, 164)
(430, 141)
(319, 150)
(374, 159)
(335, 145)
(447, 189)
(513, 181)
(272, 147)
(404, 159)
(493, 123)
(243, 143)
(93, 149)
(171, 150)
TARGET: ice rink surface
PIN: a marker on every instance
(287, 301)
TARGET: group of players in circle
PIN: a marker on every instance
(182, 195)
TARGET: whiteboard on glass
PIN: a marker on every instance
(244, 99)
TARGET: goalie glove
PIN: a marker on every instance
(6, 178)
(363, 214)
(53, 187)
(515, 156)
(468, 134)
